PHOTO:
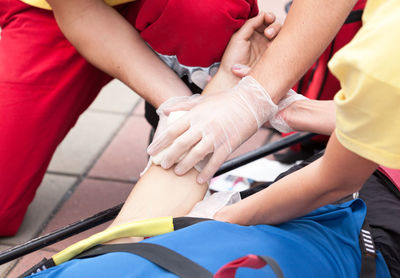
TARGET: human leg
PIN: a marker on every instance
(44, 86)
(159, 193)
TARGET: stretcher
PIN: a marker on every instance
(158, 255)
(109, 214)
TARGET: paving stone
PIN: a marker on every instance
(91, 197)
(85, 142)
(27, 262)
(139, 109)
(48, 196)
(126, 156)
(5, 268)
(115, 97)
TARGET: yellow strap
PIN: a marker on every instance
(143, 228)
(44, 5)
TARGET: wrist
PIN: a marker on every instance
(257, 99)
(222, 80)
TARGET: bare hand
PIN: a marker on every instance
(249, 43)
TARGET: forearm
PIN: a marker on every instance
(308, 29)
(110, 43)
(338, 173)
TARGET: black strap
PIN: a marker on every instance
(157, 254)
(274, 265)
(42, 265)
(354, 16)
(368, 252)
(183, 222)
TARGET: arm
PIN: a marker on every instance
(308, 29)
(338, 173)
(110, 43)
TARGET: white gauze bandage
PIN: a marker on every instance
(277, 121)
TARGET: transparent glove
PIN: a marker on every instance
(211, 204)
(277, 120)
(217, 124)
(181, 103)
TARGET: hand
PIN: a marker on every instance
(216, 125)
(181, 103)
(316, 116)
(278, 121)
(249, 43)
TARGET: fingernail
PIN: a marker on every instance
(270, 14)
(164, 164)
(270, 31)
(238, 66)
(178, 171)
(200, 180)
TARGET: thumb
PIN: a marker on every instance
(240, 70)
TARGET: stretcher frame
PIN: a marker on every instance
(109, 214)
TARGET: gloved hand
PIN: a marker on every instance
(211, 204)
(181, 103)
(216, 125)
(277, 121)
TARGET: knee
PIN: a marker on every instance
(10, 221)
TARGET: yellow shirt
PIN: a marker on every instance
(43, 4)
(368, 105)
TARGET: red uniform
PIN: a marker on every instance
(45, 84)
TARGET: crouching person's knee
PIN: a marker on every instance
(10, 220)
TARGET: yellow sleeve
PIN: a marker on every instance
(368, 118)
(368, 68)
(44, 5)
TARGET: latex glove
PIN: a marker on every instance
(156, 159)
(181, 103)
(277, 120)
(217, 124)
(212, 204)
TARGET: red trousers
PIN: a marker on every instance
(45, 84)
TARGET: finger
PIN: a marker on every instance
(271, 31)
(219, 157)
(167, 136)
(250, 26)
(194, 156)
(180, 146)
(269, 18)
(184, 106)
(240, 70)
